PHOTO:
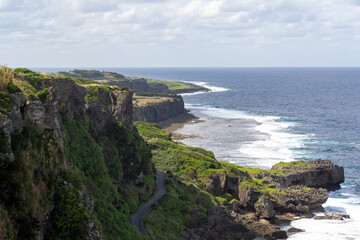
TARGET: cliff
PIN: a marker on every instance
(71, 166)
(157, 108)
(154, 101)
(134, 83)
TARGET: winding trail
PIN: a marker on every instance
(137, 218)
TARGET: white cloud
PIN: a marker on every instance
(187, 25)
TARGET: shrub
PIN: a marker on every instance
(42, 95)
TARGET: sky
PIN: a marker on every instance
(180, 33)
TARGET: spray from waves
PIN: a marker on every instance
(206, 85)
(276, 144)
(345, 201)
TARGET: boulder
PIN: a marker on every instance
(332, 216)
(216, 185)
(264, 208)
(248, 196)
(316, 173)
(19, 99)
(300, 200)
(279, 234)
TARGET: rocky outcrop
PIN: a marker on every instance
(34, 112)
(316, 173)
(218, 225)
(300, 200)
(111, 106)
(156, 112)
(292, 189)
(122, 108)
(69, 92)
(264, 207)
(10, 123)
(332, 216)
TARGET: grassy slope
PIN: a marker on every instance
(193, 166)
(99, 160)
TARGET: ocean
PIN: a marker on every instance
(257, 117)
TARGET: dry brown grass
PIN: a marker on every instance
(6, 75)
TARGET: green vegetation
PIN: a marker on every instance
(42, 95)
(5, 101)
(95, 89)
(69, 214)
(3, 144)
(168, 219)
(151, 130)
(12, 88)
(288, 165)
(191, 164)
(92, 74)
(6, 75)
(34, 78)
(172, 85)
(28, 184)
(115, 155)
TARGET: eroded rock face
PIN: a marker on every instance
(71, 93)
(248, 196)
(52, 115)
(34, 112)
(122, 108)
(318, 173)
(217, 184)
(6, 129)
(157, 112)
(19, 99)
(97, 117)
(16, 119)
(299, 199)
(264, 208)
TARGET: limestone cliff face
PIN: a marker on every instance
(156, 112)
(66, 98)
(299, 188)
(111, 106)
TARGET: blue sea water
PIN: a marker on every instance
(260, 116)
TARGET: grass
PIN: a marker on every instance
(288, 165)
(172, 85)
(168, 219)
(107, 164)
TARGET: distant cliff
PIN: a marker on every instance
(155, 109)
(134, 83)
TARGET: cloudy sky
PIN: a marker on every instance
(179, 33)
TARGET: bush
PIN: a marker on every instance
(12, 88)
(42, 95)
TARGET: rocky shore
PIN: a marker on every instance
(297, 191)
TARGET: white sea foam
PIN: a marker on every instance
(206, 85)
(340, 201)
(276, 144)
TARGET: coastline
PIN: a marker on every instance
(284, 221)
